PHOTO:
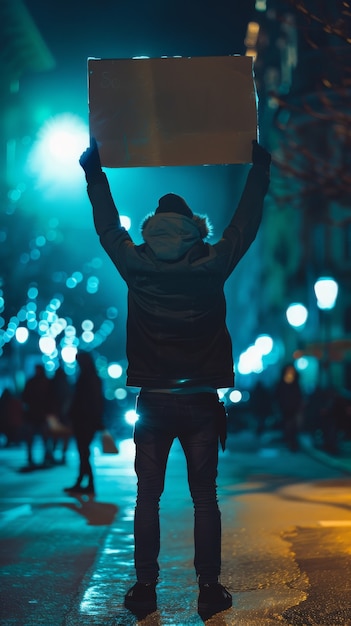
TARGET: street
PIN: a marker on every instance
(68, 561)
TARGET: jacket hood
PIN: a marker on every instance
(171, 235)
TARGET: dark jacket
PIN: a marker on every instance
(176, 328)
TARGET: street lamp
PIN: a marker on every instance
(297, 315)
(326, 290)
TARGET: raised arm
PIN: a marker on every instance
(242, 228)
(105, 211)
(249, 211)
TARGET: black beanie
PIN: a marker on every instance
(171, 203)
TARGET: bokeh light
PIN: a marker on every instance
(54, 158)
(297, 315)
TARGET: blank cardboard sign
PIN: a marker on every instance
(172, 111)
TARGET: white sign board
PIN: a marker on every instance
(172, 111)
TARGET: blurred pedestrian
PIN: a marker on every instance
(11, 417)
(327, 410)
(35, 397)
(179, 353)
(261, 404)
(290, 402)
(86, 418)
(60, 397)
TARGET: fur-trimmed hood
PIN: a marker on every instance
(171, 235)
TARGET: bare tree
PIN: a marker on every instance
(313, 118)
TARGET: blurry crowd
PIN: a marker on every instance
(285, 411)
(56, 410)
(325, 414)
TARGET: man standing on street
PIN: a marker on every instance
(179, 353)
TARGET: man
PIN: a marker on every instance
(179, 353)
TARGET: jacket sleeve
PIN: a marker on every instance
(242, 229)
(113, 236)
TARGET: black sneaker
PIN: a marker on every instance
(141, 599)
(213, 598)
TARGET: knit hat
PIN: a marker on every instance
(171, 203)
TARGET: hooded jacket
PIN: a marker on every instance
(176, 325)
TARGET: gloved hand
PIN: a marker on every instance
(90, 161)
(260, 156)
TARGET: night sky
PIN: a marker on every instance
(75, 30)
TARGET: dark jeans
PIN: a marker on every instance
(195, 420)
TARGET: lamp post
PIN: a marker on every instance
(326, 291)
(296, 315)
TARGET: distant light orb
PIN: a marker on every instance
(68, 354)
(70, 331)
(71, 282)
(326, 290)
(131, 417)
(87, 325)
(55, 155)
(302, 363)
(120, 394)
(235, 396)
(32, 293)
(47, 345)
(264, 344)
(112, 312)
(92, 284)
(88, 336)
(297, 315)
(22, 334)
(115, 370)
(50, 366)
(250, 361)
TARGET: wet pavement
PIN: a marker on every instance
(69, 561)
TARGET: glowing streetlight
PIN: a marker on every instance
(296, 314)
(326, 290)
(22, 334)
(131, 417)
(54, 157)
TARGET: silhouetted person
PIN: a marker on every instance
(179, 353)
(86, 417)
(11, 417)
(35, 397)
(60, 397)
(261, 404)
(326, 410)
(290, 404)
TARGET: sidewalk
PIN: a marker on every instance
(273, 438)
(342, 461)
